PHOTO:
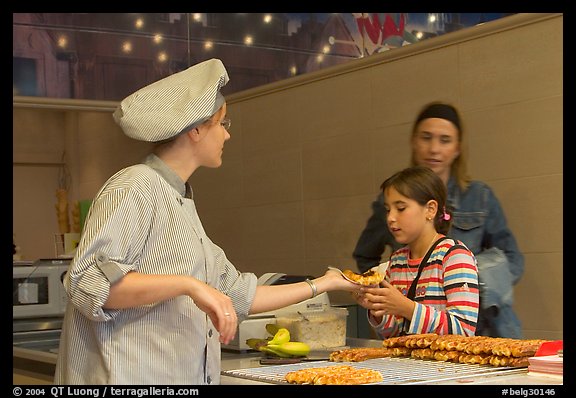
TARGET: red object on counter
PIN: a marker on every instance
(550, 348)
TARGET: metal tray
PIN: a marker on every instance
(393, 370)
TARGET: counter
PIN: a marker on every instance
(509, 377)
(35, 365)
(34, 350)
(518, 377)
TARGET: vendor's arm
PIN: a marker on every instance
(269, 298)
(136, 289)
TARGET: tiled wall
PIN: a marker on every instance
(307, 155)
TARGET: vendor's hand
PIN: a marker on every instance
(218, 307)
(337, 281)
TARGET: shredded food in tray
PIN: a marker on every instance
(320, 330)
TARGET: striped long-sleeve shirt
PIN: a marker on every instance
(141, 220)
(447, 295)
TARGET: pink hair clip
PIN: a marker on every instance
(446, 216)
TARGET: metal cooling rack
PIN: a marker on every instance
(393, 370)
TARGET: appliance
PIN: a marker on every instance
(255, 325)
(37, 288)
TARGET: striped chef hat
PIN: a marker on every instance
(174, 104)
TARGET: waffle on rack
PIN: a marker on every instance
(484, 350)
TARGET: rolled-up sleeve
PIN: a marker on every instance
(114, 239)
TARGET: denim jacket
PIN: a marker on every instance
(478, 221)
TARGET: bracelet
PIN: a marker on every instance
(312, 286)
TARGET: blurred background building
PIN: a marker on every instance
(106, 56)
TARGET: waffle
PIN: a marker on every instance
(368, 278)
(484, 350)
(337, 374)
(360, 354)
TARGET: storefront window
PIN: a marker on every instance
(106, 56)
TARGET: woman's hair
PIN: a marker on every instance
(459, 168)
(421, 184)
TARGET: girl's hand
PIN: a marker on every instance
(385, 300)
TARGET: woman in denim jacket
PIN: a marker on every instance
(478, 220)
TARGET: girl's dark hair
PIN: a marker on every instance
(421, 184)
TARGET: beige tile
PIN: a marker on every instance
(401, 88)
(218, 188)
(33, 212)
(273, 231)
(337, 166)
(103, 149)
(224, 227)
(38, 135)
(511, 66)
(391, 151)
(362, 208)
(272, 177)
(332, 226)
(320, 263)
(335, 106)
(534, 211)
(322, 108)
(286, 265)
(267, 123)
(520, 139)
(539, 297)
(99, 162)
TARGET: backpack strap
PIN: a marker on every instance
(412, 291)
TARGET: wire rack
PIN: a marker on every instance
(393, 370)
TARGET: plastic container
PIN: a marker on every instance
(319, 329)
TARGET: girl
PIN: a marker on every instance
(431, 285)
(438, 142)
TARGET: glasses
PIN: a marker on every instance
(226, 123)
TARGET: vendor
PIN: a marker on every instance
(151, 297)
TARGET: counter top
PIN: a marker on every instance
(250, 360)
(41, 363)
(233, 361)
(34, 355)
